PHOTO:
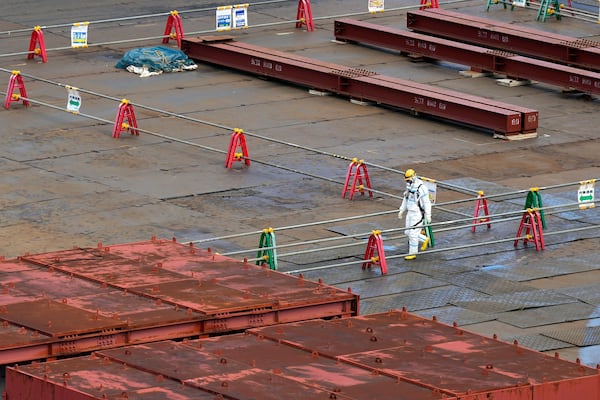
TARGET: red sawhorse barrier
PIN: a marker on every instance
(238, 140)
(37, 38)
(481, 205)
(173, 24)
(375, 253)
(532, 224)
(15, 81)
(357, 172)
(304, 15)
(125, 112)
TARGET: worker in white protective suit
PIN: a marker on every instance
(417, 205)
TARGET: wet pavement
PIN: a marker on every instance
(66, 182)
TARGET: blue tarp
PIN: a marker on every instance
(156, 59)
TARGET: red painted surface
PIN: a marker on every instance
(394, 355)
(512, 65)
(570, 50)
(365, 85)
(68, 302)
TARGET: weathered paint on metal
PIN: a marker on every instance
(80, 300)
(365, 85)
(395, 355)
(482, 58)
(517, 39)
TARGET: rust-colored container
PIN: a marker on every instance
(393, 355)
(68, 302)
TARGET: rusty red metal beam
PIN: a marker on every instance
(569, 50)
(394, 355)
(68, 302)
(505, 119)
(511, 65)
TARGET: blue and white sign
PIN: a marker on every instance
(240, 16)
(224, 18)
(79, 34)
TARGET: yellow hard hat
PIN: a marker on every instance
(409, 174)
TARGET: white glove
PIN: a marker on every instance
(428, 219)
(400, 214)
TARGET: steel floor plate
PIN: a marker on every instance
(323, 256)
(343, 274)
(588, 293)
(490, 188)
(549, 315)
(514, 301)
(361, 229)
(543, 269)
(414, 301)
(485, 283)
(582, 336)
(393, 283)
(450, 314)
(538, 342)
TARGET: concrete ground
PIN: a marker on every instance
(66, 182)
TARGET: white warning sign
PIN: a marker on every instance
(79, 34)
(585, 194)
(376, 6)
(73, 100)
(431, 186)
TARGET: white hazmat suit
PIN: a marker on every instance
(417, 205)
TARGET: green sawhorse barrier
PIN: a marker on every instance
(267, 253)
(548, 7)
(429, 233)
(534, 201)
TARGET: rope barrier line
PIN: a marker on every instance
(460, 247)
(156, 134)
(273, 140)
(518, 214)
(251, 134)
(173, 139)
(170, 138)
(144, 16)
(317, 151)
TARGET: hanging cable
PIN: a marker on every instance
(430, 251)
(450, 226)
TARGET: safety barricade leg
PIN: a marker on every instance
(304, 15)
(531, 227)
(125, 113)
(267, 253)
(375, 253)
(357, 172)
(481, 205)
(173, 24)
(37, 45)
(15, 82)
(238, 140)
(534, 200)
